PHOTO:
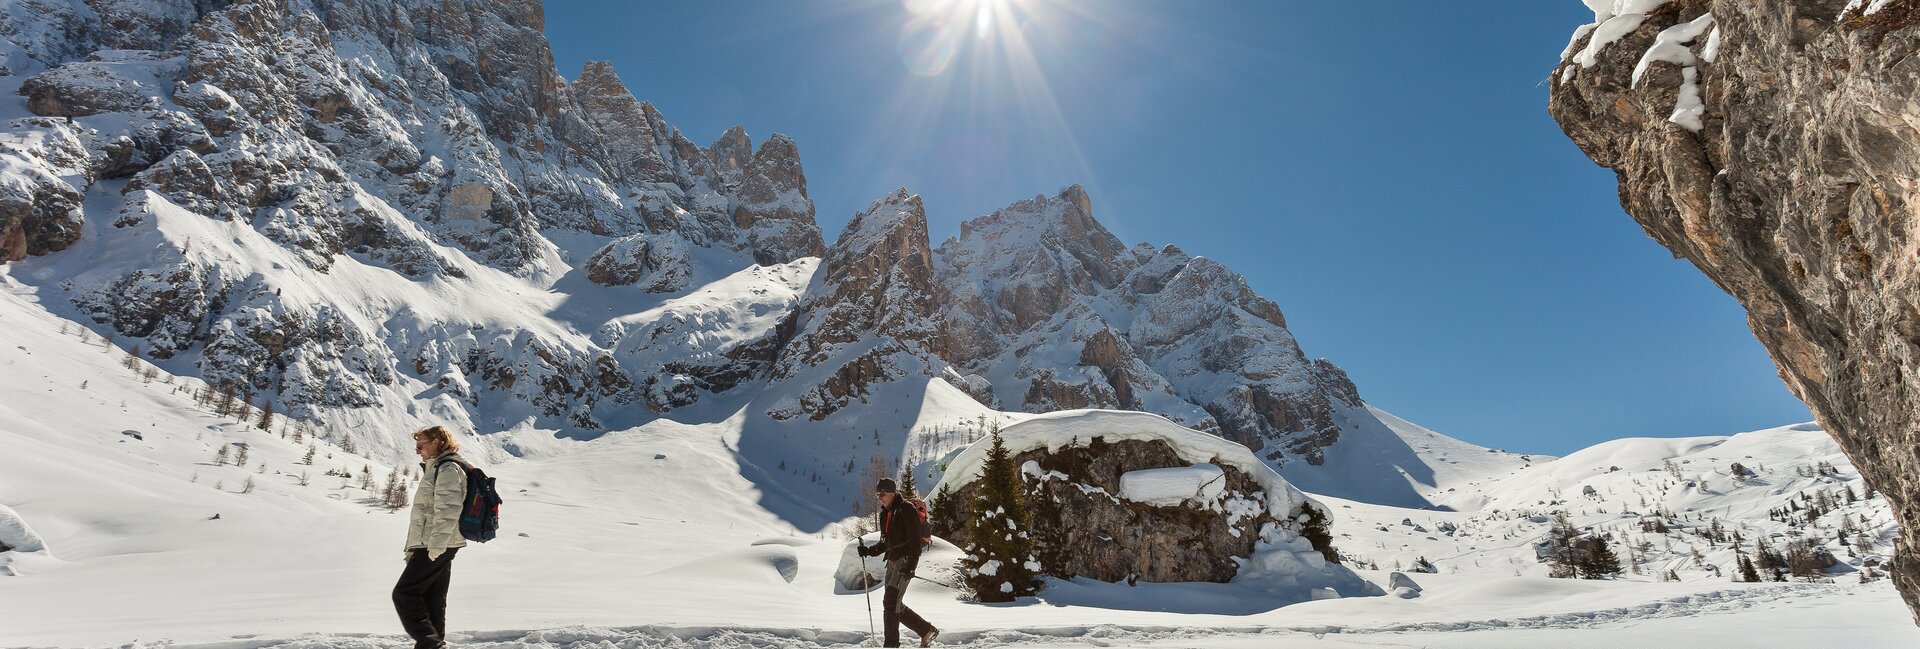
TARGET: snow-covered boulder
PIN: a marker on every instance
(855, 572)
(1402, 586)
(15, 535)
(17, 542)
(1119, 494)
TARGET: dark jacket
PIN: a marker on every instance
(899, 531)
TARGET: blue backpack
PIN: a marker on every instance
(480, 511)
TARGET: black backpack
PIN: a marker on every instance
(480, 511)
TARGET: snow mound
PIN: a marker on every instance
(16, 535)
(856, 573)
(1057, 430)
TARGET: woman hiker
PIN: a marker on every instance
(433, 537)
(900, 543)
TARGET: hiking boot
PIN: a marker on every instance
(926, 640)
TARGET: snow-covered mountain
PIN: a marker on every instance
(378, 213)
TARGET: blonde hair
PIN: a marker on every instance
(438, 435)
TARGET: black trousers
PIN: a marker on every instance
(896, 613)
(421, 598)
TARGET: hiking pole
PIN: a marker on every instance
(936, 582)
(871, 634)
(869, 591)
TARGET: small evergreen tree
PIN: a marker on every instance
(908, 489)
(1599, 561)
(1317, 531)
(395, 497)
(1747, 572)
(1000, 565)
(266, 416)
(220, 456)
(1561, 549)
(308, 460)
(240, 457)
(247, 487)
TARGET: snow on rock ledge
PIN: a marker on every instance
(1131, 493)
(1174, 486)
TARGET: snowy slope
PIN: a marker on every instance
(658, 525)
(1616, 487)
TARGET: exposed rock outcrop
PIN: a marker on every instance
(430, 138)
(869, 317)
(1120, 494)
(656, 263)
(1775, 145)
(1031, 292)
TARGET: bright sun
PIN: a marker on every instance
(937, 30)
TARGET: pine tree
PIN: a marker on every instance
(908, 489)
(308, 460)
(396, 492)
(1562, 548)
(945, 511)
(1000, 565)
(220, 456)
(266, 416)
(247, 487)
(1747, 572)
(1317, 531)
(1600, 562)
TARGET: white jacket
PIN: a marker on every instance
(434, 523)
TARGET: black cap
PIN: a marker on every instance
(886, 486)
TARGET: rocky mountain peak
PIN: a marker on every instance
(772, 204)
(633, 130)
(731, 153)
(868, 319)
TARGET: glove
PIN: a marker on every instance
(866, 550)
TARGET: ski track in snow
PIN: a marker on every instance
(1103, 635)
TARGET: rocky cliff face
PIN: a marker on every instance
(294, 172)
(868, 317)
(1775, 145)
(1048, 305)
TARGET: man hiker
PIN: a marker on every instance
(900, 542)
(433, 536)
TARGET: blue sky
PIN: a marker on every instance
(1385, 171)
